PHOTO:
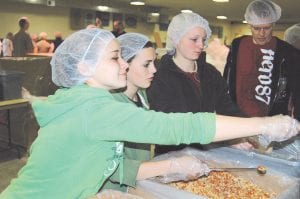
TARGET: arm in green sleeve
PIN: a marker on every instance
(125, 122)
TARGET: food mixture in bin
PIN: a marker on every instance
(224, 184)
(241, 178)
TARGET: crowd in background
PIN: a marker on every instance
(22, 43)
(41, 43)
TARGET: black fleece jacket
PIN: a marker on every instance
(172, 91)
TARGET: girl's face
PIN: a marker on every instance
(141, 69)
(192, 43)
(111, 71)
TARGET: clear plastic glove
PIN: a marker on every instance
(26, 94)
(113, 194)
(216, 54)
(184, 169)
(278, 128)
(246, 146)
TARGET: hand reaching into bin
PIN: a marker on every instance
(278, 128)
(185, 168)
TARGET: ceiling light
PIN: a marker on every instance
(137, 3)
(155, 14)
(32, 1)
(221, 1)
(186, 11)
(103, 8)
(244, 21)
(221, 17)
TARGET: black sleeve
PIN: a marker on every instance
(227, 66)
(225, 106)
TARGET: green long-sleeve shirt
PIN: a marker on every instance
(134, 153)
(79, 144)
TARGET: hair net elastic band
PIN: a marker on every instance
(89, 46)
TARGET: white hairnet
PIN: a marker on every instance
(85, 47)
(292, 34)
(262, 12)
(182, 23)
(131, 44)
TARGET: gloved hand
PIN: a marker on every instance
(185, 168)
(246, 146)
(216, 54)
(26, 94)
(278, 128)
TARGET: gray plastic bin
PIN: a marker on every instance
(11, 84)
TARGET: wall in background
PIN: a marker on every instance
(50, 19)
(47, 19)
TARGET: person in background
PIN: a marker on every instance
(292, 35)
(34, 39)
(22, 41)
(118, 28)
(8, 45)
(262, 70)
(184, 81)
(57, 39)
(97, 24)
(82, 127)
(43, 45)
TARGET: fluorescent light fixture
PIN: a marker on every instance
(221, 1)
(186, 11)
(221, 17)
(103, 8)
(155, 14)
(137, 3)
(33, 1)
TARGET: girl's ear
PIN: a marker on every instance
(84, 69)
